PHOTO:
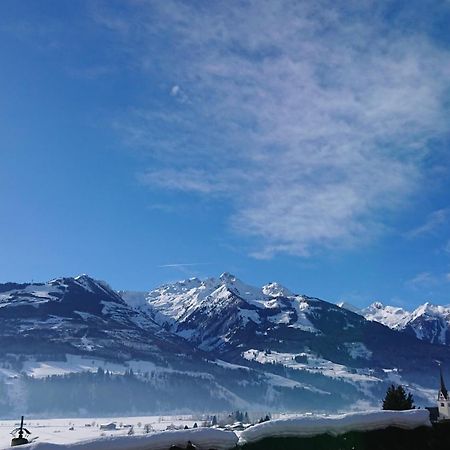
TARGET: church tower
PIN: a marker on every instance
(443, 400)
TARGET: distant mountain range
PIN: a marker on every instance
(428, 322)
(211, 345)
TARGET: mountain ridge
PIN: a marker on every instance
(427, 322)
(262, 346)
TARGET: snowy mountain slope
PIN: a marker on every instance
(391, 316)
(78, 315)
(431, 323)
(428, 322)
(226, 317)
(218, 312)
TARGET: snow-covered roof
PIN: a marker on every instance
(304, 426)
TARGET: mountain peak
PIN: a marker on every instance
(90, 283)
(83, 276)
(275, 289)
(227, 277)
(429, 309)
(377, 305)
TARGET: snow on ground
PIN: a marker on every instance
(228, 365)
(85, 434)
(33, 294)
(313, 365)
(249, 314)
(303, 426)
(284, 317)
(357, 350)
(202, 438)
(76, 363)
(302, 308)
(277, 380)
(58, 431)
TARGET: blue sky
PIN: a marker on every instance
(304, 142)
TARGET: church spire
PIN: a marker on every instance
(443, 388)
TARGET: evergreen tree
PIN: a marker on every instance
(214, 420)
(396, 399)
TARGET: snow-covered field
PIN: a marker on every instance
(75, 434)
(66, 431)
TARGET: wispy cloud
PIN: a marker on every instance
(447, 247)
(422, 280)
(311, 119)
(427, 280)
(434, 222)
(186, 269)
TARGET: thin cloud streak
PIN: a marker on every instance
(312, 121)
(434, 222)
(177, 265)
(427, 280)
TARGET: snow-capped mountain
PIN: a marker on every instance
(427, 322)
(391, 316)
(77, 315)
(218, 313)
(214, 343)
(272, 326)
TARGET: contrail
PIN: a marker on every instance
(183, 265)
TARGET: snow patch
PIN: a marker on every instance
(276, 290)
(357, 350)
(249, 314)
(313, 364)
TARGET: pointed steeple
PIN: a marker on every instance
(443, 389)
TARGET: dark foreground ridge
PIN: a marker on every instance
(436, 437)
